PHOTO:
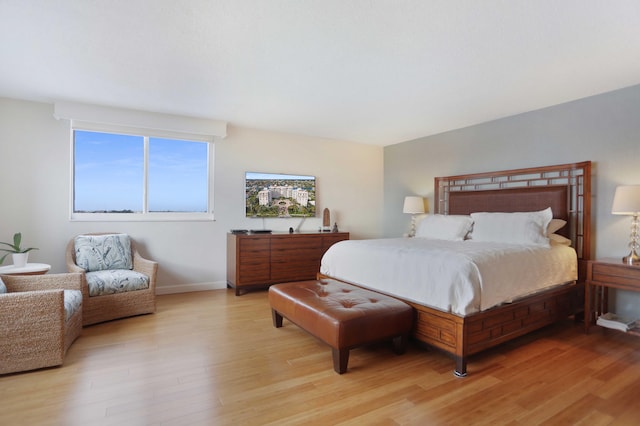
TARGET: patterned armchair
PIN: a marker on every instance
(117, 282)
(40, 316)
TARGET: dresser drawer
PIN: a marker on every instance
(301, 270)
(252, 244)
(295, 243)
(254, 272)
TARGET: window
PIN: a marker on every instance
(129, 176)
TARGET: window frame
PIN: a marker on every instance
(145, 215)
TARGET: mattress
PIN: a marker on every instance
(461, 277)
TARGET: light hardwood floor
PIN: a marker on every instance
(213, 358)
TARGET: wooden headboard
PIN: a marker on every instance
(527, 199)
(566, 188)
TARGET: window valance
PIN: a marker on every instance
(96, 115)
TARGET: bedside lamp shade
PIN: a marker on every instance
(413, 205)
(627, 201)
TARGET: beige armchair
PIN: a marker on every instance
(36, 329)
(112, 296)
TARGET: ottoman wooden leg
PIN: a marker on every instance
(400, 344)
(277, 318)
(340, 360)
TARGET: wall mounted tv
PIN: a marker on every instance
(279, 195)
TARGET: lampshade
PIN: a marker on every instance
(413, 205)
(626, 200)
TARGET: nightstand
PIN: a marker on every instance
(603, 274)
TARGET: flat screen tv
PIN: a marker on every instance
(279, 195)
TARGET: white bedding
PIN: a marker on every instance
(461, 277)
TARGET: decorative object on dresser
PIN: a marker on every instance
(117, 282)
(256, 261)
(527, 194)
(603, 274)
(413, 206)
(40, 316)
(627, 201)
(326, 220)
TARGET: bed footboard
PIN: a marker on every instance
(461, 337)
(464, 336)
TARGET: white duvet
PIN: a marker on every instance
(461, 277)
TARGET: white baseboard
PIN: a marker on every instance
(186, 288)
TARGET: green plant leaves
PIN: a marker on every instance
(15, 247)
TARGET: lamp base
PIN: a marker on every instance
(412, 232)
(632, 258)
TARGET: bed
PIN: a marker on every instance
(527, 299)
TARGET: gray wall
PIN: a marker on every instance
(604, 129)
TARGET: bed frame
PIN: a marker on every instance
(566, 189)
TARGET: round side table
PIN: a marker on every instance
(28, 269)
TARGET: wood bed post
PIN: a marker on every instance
(460, 356)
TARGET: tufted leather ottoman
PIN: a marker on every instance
(342, 315)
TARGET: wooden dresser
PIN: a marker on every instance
(259, 260)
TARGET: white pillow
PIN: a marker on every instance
(444, 227)
(555, 225)
(516, 228)
(3, 288)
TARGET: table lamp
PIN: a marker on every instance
(413, 205)
(627, 201)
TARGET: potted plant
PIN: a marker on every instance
(20, 255)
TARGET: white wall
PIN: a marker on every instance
(34, 194)
(604, 129)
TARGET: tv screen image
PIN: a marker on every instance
(279, 195)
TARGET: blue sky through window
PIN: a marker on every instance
(109, 174)
(178, 177)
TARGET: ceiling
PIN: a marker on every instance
(369, 71)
